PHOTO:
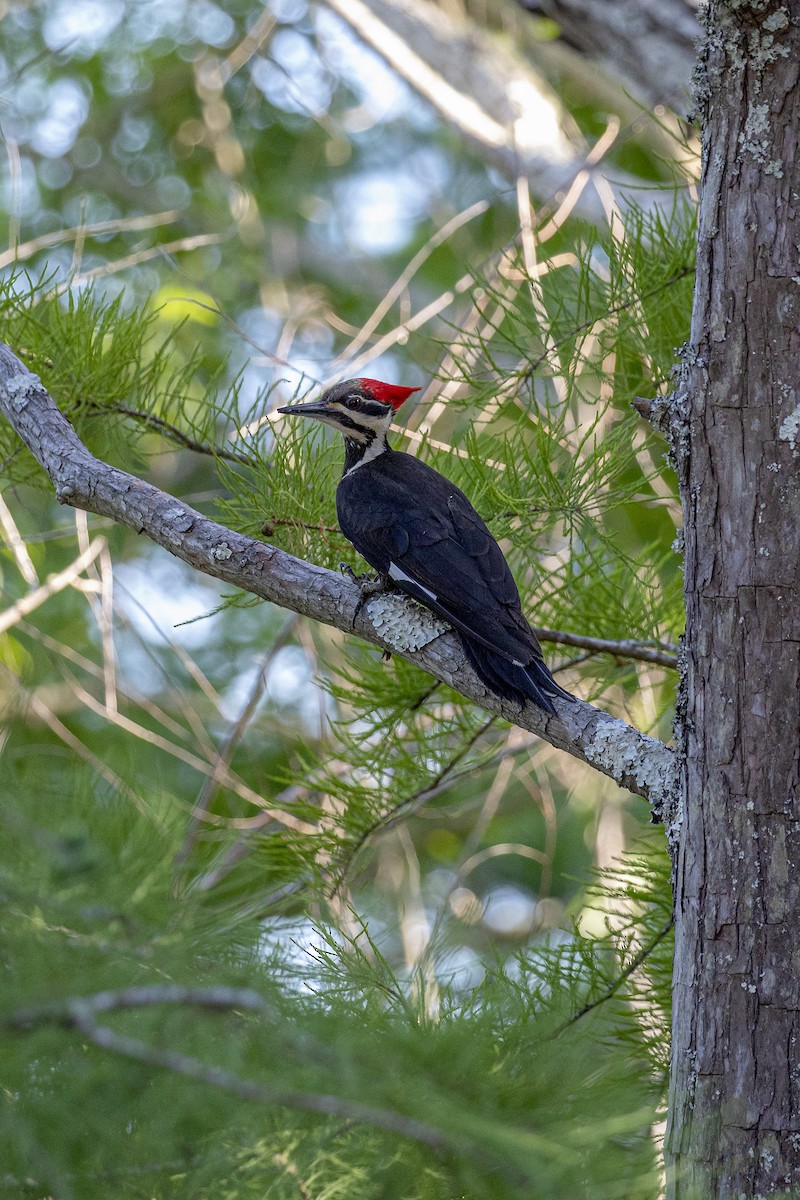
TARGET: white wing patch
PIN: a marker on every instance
(399, 575)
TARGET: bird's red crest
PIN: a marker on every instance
(387, 393)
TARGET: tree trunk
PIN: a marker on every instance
(734, 1127)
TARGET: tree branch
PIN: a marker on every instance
(635, 761)
(79, 1013)
(507, 112)
(173, 434)
(67, 1012)
(663, 656)
(18, 253)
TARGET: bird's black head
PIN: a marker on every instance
(361, 409)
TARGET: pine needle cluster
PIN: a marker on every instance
(239, 1013)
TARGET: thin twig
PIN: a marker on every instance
(79, 1014)
(120, 225)
(237, 727)
(534, 276)
(250, 44)
(184, 658)
(16, 545)
(226, 775)
(273, 523)
(15, 188)
(134, 260)
(173, 433)
(106, 621)
(401, 283)
(582, 177)
(102, 609)
(54, 584)
(159, 715)
(46, 715)
(145, 996)
(497, 850)
(613, 988)
(665, 655)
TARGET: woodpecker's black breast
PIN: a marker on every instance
(414, 525)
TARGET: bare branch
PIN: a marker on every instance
(144, 996)
(55, 584)
(635, 761)
(134, 260)
(46, 715)
(663, 655)
(16, 545)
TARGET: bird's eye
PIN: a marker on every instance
(354, 401)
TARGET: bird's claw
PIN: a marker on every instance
(368, 584)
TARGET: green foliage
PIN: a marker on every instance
(497, 1097)
(197, 794)
(361, 1071)
(116, 376)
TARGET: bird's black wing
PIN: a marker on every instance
(417, 527)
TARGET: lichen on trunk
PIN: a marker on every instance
(734, 1125)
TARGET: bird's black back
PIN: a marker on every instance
(413, 524)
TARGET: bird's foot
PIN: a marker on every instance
(368, 584)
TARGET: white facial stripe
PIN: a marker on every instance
(366, 420)
(359, 427)
(398, 574)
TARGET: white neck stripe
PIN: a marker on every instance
(377, 447)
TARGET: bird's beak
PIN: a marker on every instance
(316, 408)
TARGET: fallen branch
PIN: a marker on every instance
(635, 761)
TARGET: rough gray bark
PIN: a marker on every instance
(734, 1124)
(637, 762)
(650, 44)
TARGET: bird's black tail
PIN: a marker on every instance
(532, 682)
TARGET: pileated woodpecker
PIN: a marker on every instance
(419, 530)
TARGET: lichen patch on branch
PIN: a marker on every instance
(404, 625)
(654, 775)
